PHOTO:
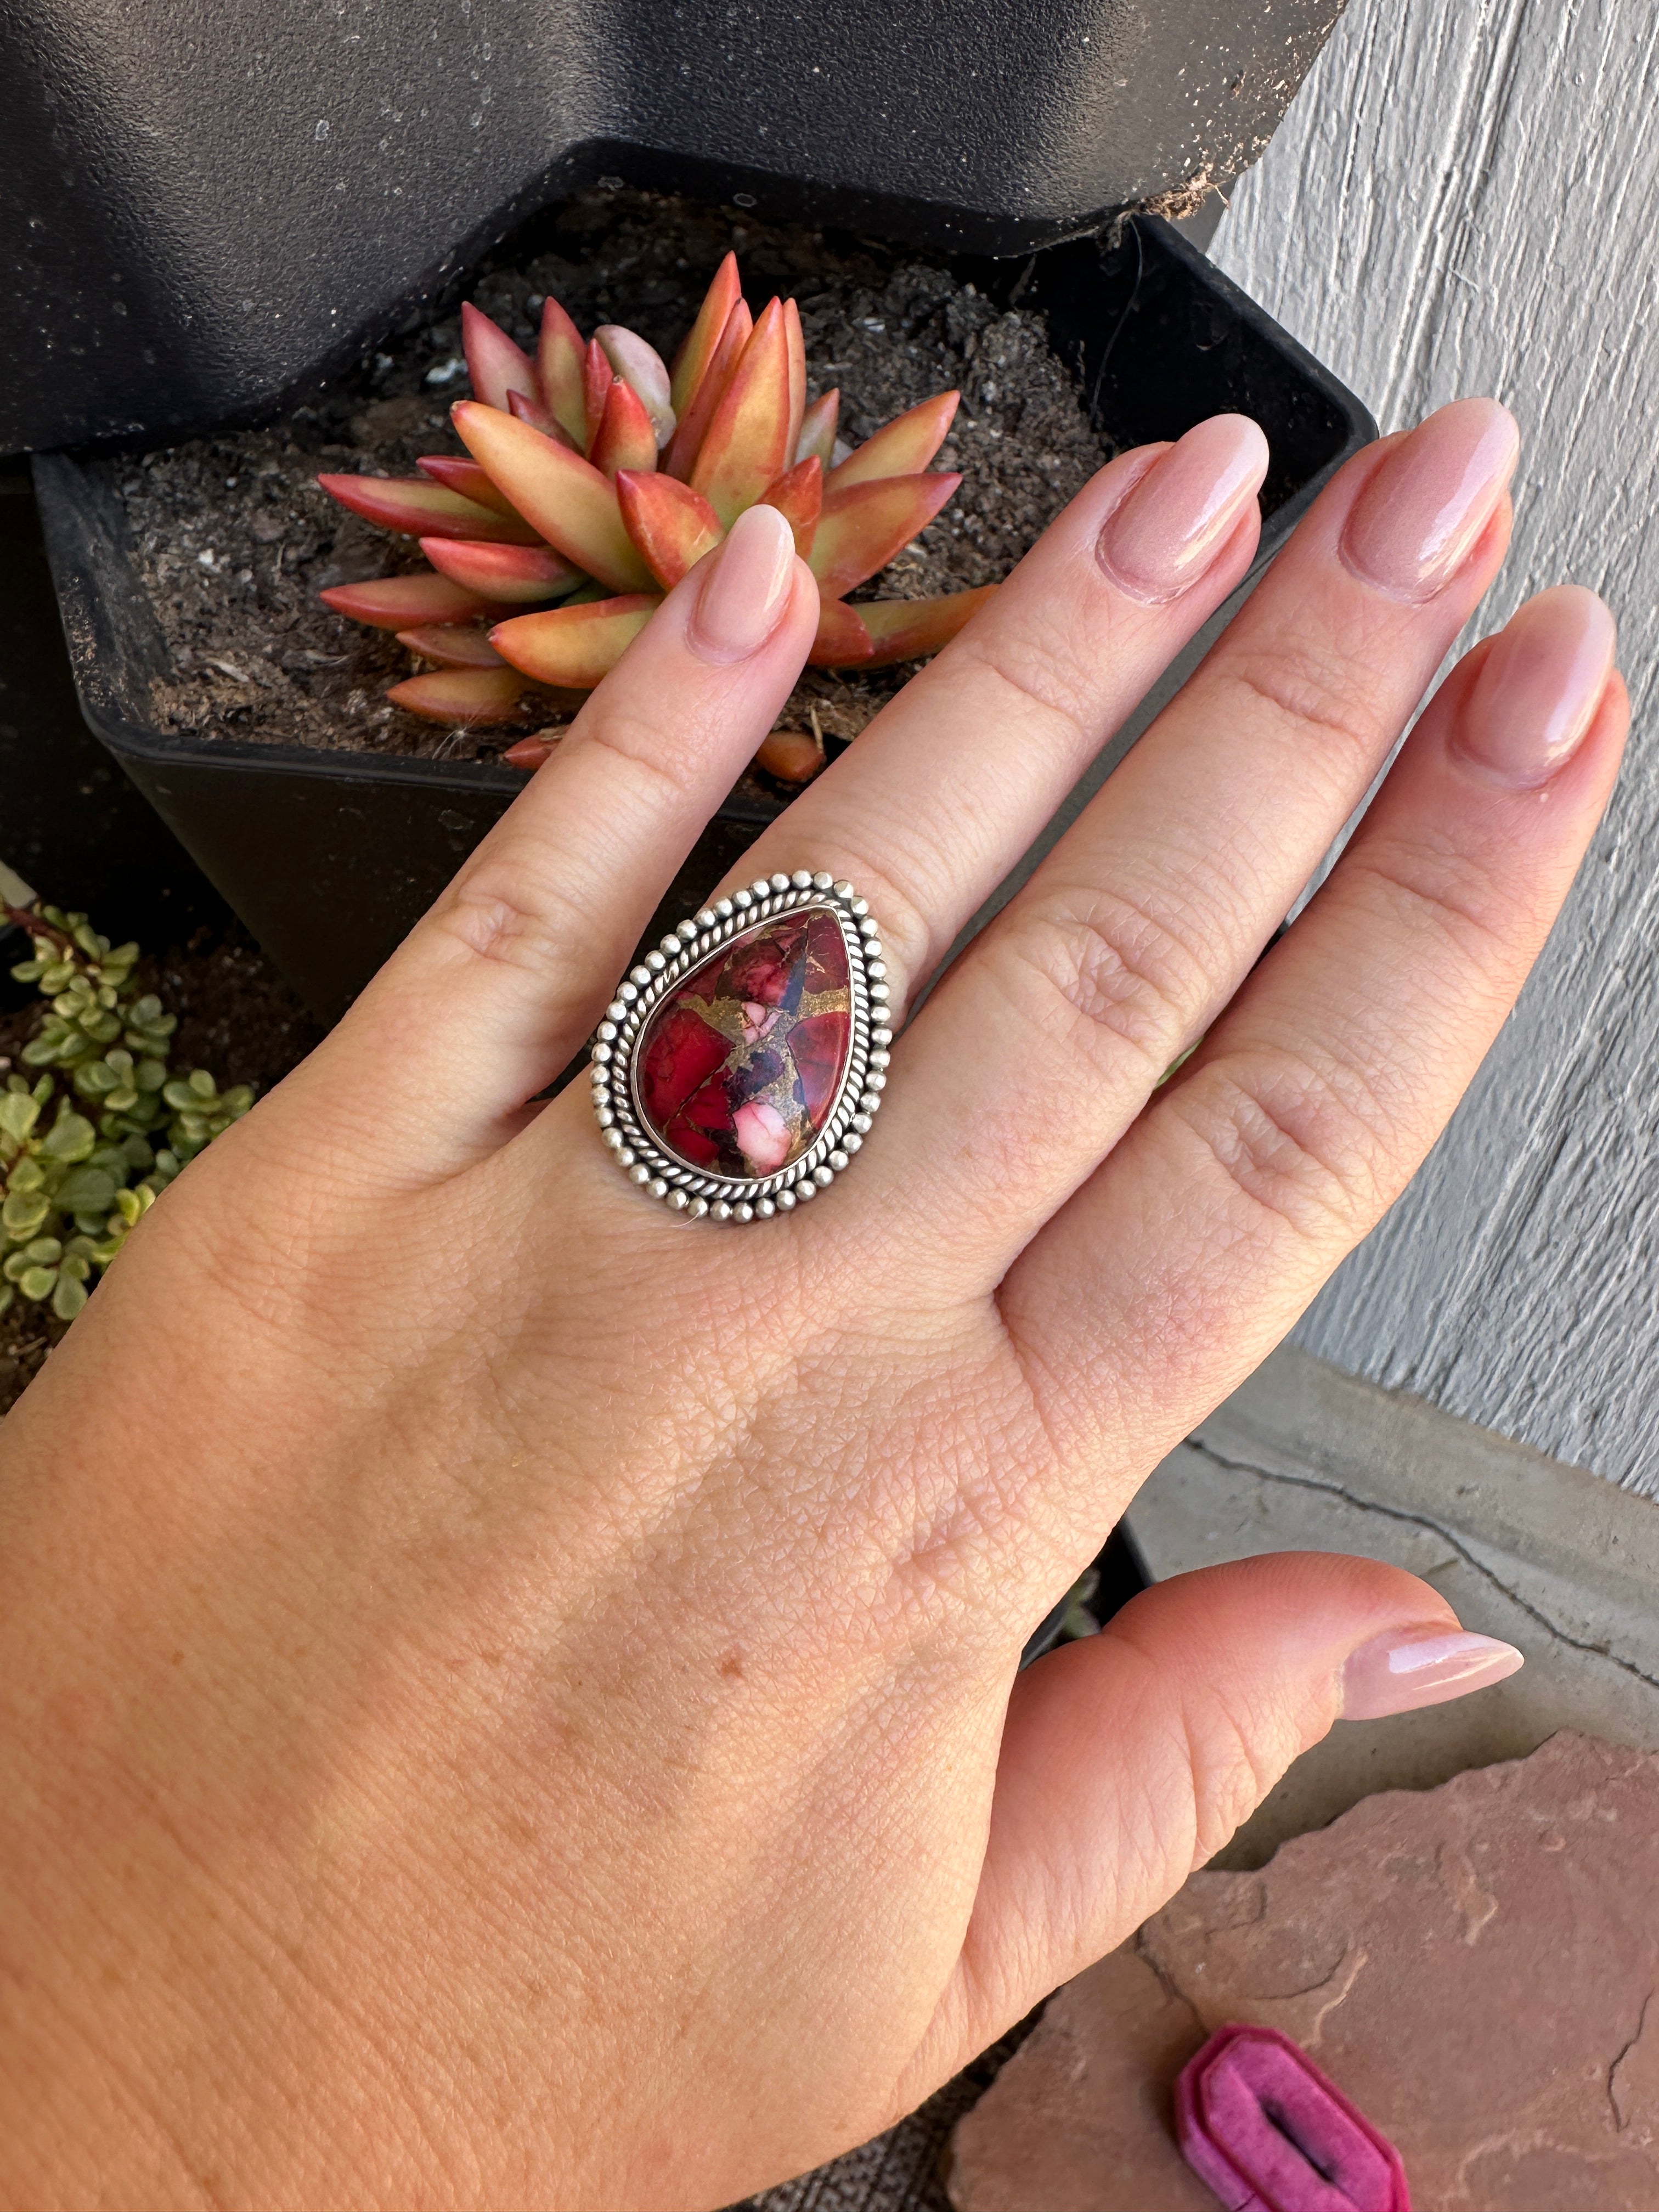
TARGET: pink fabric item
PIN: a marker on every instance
(1262, 2125)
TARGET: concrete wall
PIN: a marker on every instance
(1465, 197)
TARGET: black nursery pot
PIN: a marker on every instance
(329, 858)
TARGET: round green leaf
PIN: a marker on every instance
(70, 1138)
(24, 1212)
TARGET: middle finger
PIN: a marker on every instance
(953, 781)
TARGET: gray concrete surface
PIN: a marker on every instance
(1547, 1556)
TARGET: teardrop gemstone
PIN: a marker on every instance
(740, 1067)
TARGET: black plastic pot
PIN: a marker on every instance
(158, 163)
(329, 858)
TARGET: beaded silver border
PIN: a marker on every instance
(690, 1191)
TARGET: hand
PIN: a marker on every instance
(509, 1696)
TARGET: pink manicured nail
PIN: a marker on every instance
(1417, 520)
(1407, 1668)
(1180, 513)
(746, 589)
(1539, 687)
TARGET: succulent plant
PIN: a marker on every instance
(595, 477)
(74, 1186)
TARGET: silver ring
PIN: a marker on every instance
(740, 1067)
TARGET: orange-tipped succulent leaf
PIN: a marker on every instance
(559, 360)
(673, 526)
(642, 368)
(575, 647)
(901, 447)
(598, 377)
(395, 602)
(842, 640)
(507, 575)
(420, 508)
(817, 429)
(863, 527)
(795, 341)
(798, 495)
(792, 756)
(570, 502)
(462, 695)
(687, 442)
(452, 645)
(627, 438)
(456, 473)
(532, 412)
(907, 629)
(746, 445)
(495, 366)
(697, 350)
(528, 753)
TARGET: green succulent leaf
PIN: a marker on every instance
(71, 1136)
(86, 1189)
(18, 1113)
(92, 1184)
(23, 1212)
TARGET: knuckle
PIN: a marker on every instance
(1109, 974)
(1455, 898)
(662, 763)
(1316, 693)
(1039, 680)
(503, 914)
(1238, 1752)
(1302, 1143)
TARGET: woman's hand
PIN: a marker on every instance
(509, 1696)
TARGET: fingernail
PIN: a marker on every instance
(1539, 687)
(1406, 1668)
(1417, 520)
(1170, 527)
(746, 588)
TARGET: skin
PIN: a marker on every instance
(509, 1697)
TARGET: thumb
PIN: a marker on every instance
(1130, 1758)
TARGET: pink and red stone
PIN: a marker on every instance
(741, 1063)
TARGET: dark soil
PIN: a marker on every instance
(234, 540)
(236, 1017)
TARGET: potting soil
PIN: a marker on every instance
(234, 540)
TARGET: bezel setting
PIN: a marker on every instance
(693, 1192)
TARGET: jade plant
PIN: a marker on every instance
(88, 1144)
(595, 476)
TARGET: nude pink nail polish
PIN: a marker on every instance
(1417, 520)
(1539, 687)
(746, 588)
(1171, 524)
(1407, 1668)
